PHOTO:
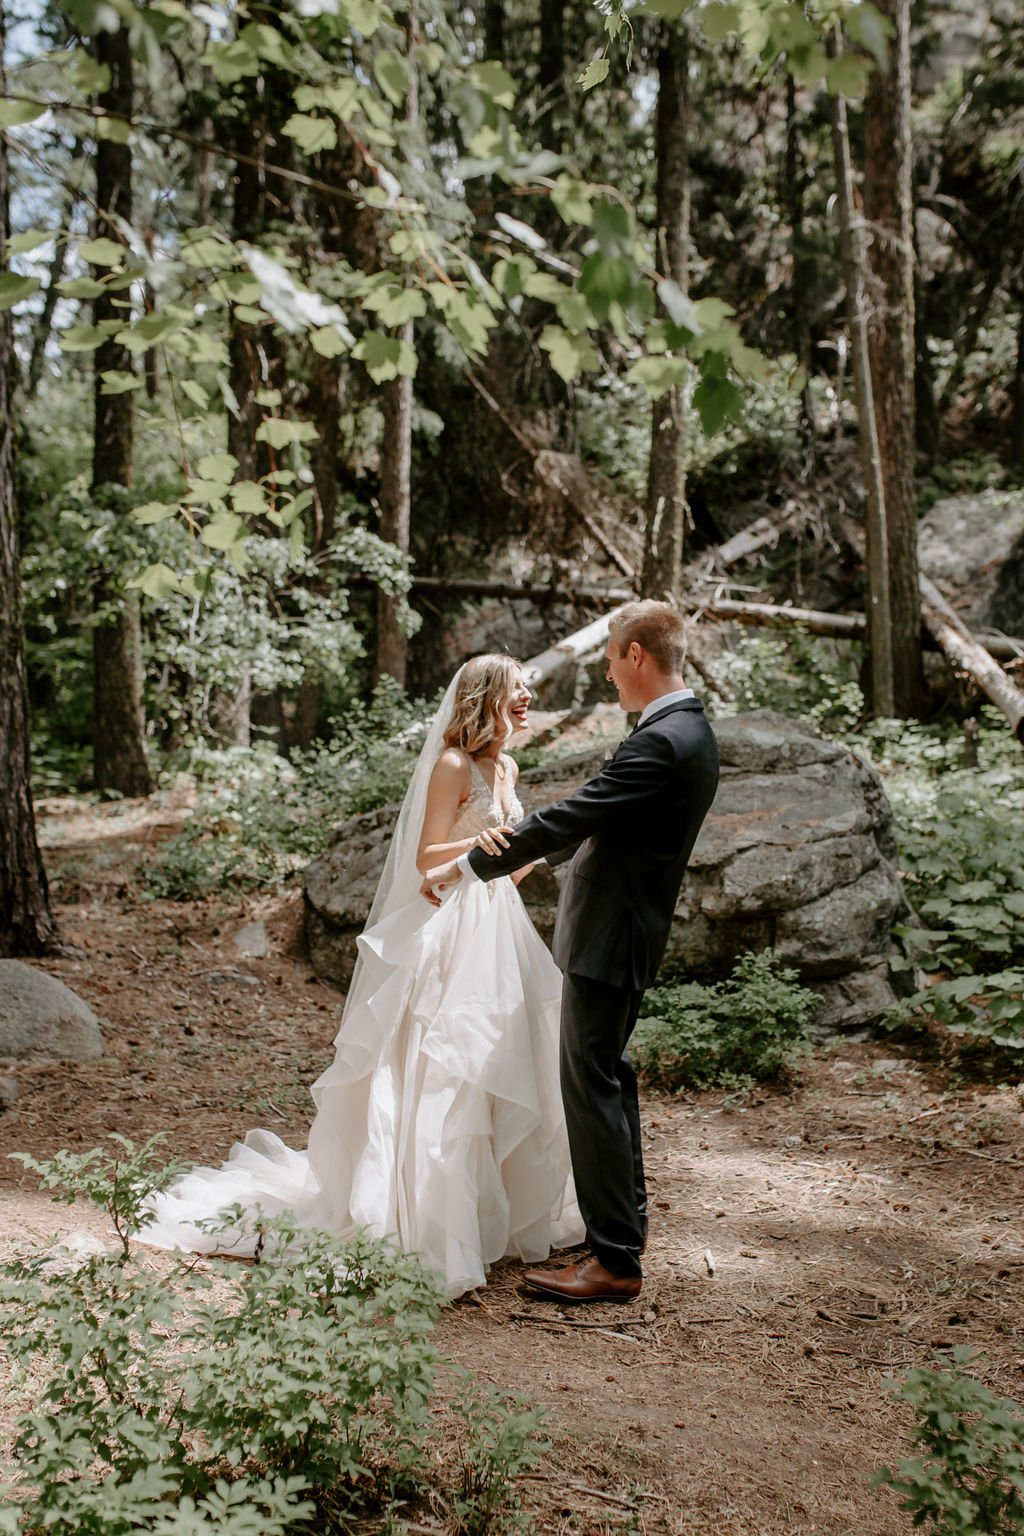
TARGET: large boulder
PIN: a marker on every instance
(796, 853)
(39, 1015)
(974, 546)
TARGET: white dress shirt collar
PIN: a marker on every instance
(666, 699)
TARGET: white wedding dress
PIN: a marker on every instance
(440, 1121)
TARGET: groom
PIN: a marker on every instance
(629, 832)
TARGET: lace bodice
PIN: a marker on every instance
(481, 809)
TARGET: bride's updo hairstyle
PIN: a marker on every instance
(480, 712)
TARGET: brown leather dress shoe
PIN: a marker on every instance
(586, 1281)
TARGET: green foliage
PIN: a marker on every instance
(120, 1183)
(724, 1034)
(968, 1479)
(799, 675)
(499, 1439)
(986, 1009)
(260, 817)
(250, 1399)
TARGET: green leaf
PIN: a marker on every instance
(385, 357)
(717, 401)
(595, 72)
(154, 512)
(392, 75)
(223, 530)
(89, 76)
(196, 393)
(847, 76)
(311, 134)
(544, 286)
(570, 355)
(28, 240)
(364, 16)
(670, 10)
(117, 382)
(248, 498)
(113, 129)
(659, 374)
(494, 80)
(574, 311)
(157, 581)
(395, 305)
(147, 331)
(279, 432)
(572, 199)
(82, 287)
(231, 62)
(14, 287)
(328, 341)
(719, 21)
(103, 252)
(217, 466)
(86, 338)
(868, 27)
(14, 113)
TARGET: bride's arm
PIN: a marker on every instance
(520, 874)
(449, 787)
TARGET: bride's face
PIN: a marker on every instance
(518, 703)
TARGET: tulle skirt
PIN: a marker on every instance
(439, 1123)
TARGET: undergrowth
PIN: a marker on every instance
(300, 1392)
(728, 1034)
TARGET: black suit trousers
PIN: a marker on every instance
(603, 1118)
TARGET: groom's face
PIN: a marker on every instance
(622, 672)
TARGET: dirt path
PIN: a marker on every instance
(866, 1223)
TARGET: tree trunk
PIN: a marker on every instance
(396, 453)
(494, 29)
(803, 269)
(666, 473)
(889, 210)
(851, 229)
(119, 740)
(26, 924)
(1017, 431)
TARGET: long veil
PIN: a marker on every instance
(400, 878)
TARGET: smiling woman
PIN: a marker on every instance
(440, 1121)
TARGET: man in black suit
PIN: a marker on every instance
(629, 833)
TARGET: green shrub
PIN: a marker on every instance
(724, 1034)
(968, 1479)
(172, 1398)
(260, 817)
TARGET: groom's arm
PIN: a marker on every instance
(638, 770)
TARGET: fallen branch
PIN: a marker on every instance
(963, 650)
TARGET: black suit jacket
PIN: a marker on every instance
(633, 828)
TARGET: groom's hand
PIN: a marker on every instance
(439, 879)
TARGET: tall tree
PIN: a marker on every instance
(119, 743)
(396, 446)
(852, 243)
(26, 924)
(666, 475)
(889, 210)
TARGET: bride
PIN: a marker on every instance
(440, 1121)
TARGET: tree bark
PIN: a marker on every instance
(877, 552)
(802, 269)
(119, 741)
(666, 507)
(889, 210)
(396, 451)
(26, 923)
(1017, 426)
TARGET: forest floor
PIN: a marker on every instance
(806, 1246)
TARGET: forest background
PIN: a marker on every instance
(340, 340)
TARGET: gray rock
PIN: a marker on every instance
(252, 941)
(965, 542)
(9, 1092)
(797, 853)
(40, 1015)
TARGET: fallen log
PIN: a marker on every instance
(963, 650)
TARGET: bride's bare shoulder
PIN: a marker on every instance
(452, 766)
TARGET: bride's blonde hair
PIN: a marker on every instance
(480, 712)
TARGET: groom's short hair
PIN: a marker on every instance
(657, 628)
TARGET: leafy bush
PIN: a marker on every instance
(249, 1399)
(986, 1010)
(800, 675)
(259, 818)
(725, 1034)
(969, 1478)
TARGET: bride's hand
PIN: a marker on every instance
(437, 880)
(492, 839)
